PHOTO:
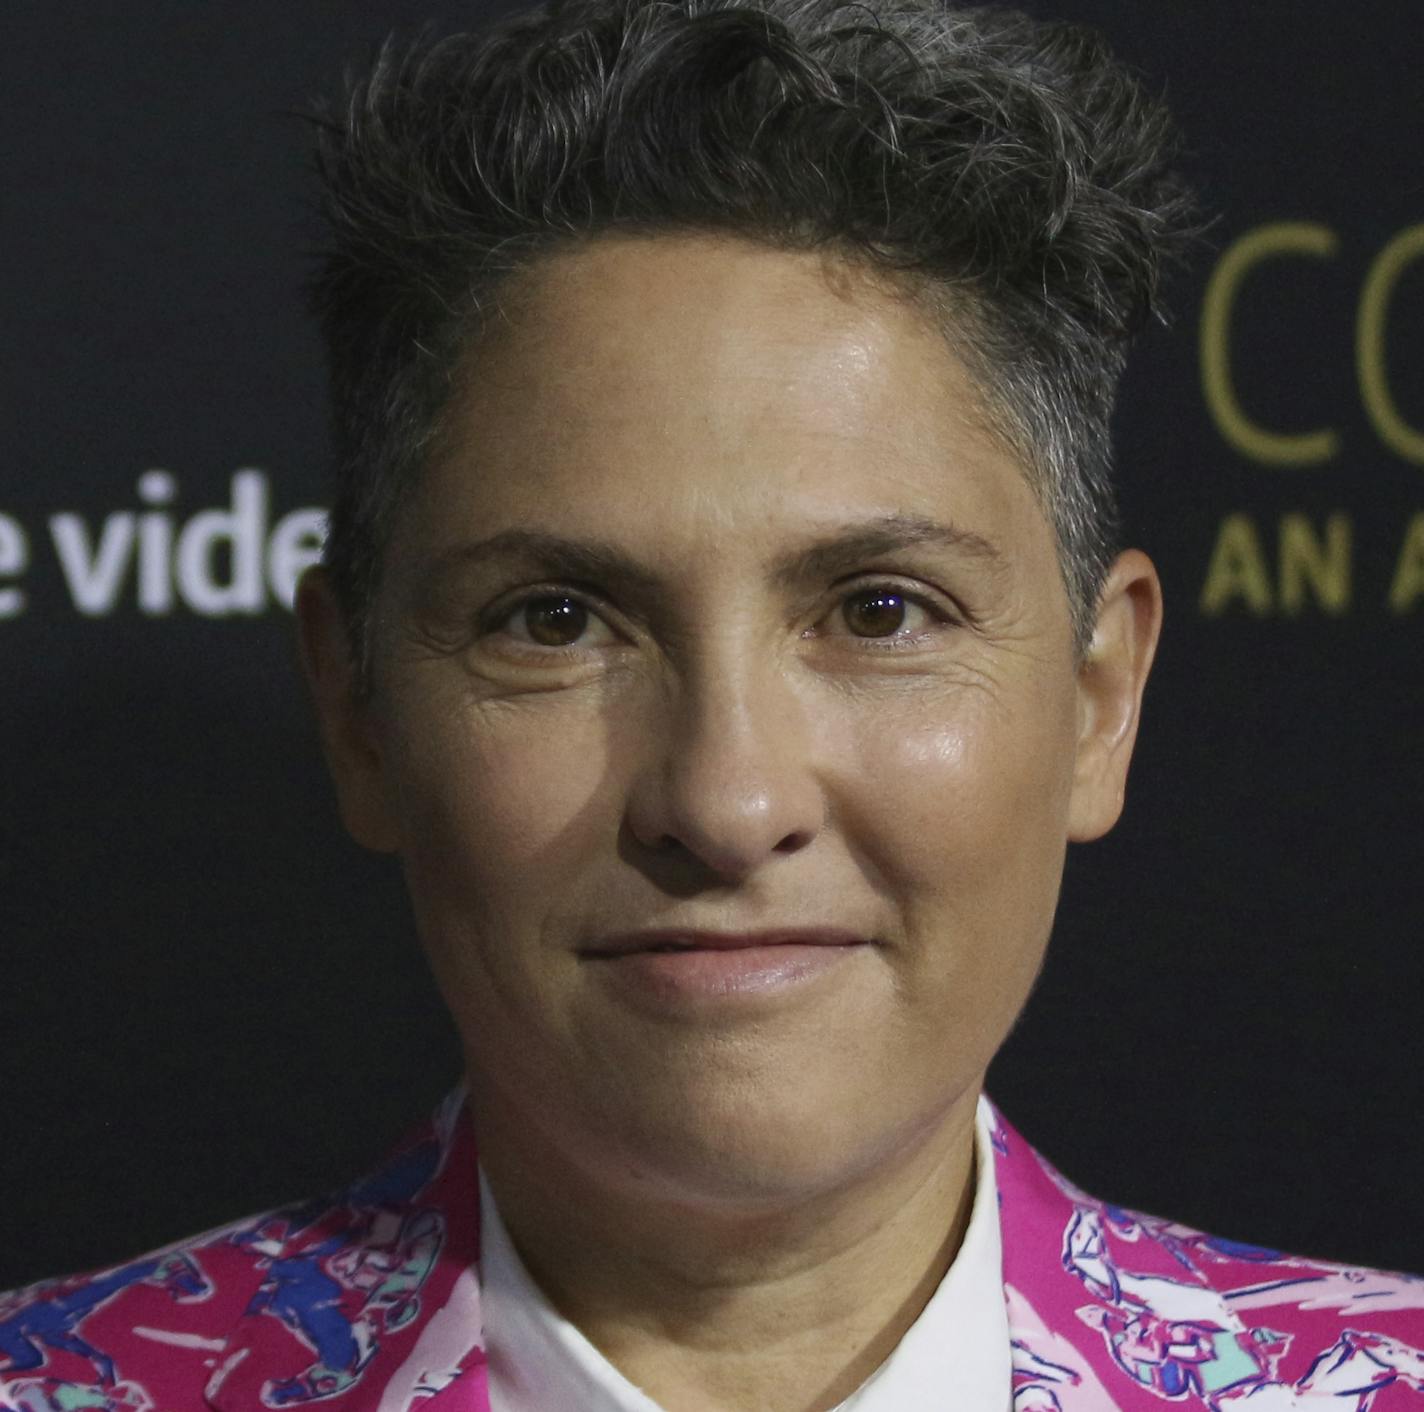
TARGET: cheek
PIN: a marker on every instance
(499, 805)
(962, 812)
(964, 785)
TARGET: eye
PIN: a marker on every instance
(550, 620)
(885, 611)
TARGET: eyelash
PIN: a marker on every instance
(500, 616)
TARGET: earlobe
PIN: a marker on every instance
(348, 737)
(1111, 680)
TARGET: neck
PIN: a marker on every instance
(714, 1308)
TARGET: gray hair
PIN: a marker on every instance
(1008, 172)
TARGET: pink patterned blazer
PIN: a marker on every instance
(369, 1301)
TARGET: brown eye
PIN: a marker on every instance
(878, 613)
(555, 622)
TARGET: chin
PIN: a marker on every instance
(742, 1149)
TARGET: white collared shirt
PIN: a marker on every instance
(956, 1353)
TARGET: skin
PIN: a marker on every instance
(743, 1203)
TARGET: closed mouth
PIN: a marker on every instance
(665, 942)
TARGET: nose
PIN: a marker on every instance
(728, 777)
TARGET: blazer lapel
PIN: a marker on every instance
(368, 1302)
(1109, 1311)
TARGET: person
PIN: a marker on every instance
(723, 618)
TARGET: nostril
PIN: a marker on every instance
(795, 840)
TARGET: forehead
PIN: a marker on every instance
(681, 387)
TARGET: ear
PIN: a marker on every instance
(1111, 679)
(348, 734)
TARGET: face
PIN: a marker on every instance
(720, 609)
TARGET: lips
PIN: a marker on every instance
(696, 977)
(671, 940)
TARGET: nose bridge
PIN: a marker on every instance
(734, 782)
(729, 705)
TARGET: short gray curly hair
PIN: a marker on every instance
(1009, 172)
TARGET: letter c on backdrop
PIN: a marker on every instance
(1298, 238)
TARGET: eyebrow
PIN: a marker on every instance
(848, 548)
(841, 551)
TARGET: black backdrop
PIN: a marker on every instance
(211, 1001)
